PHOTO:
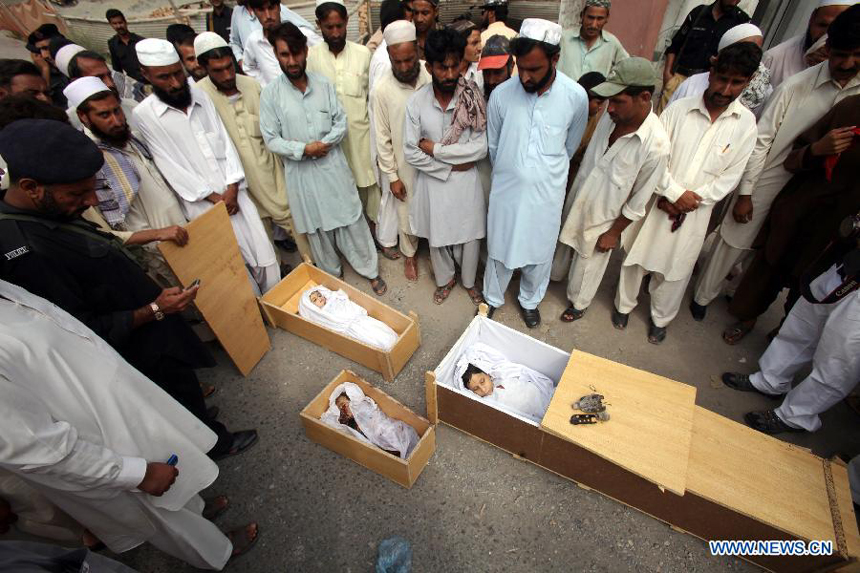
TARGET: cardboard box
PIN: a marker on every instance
(401, 471)
(737, 484)
(280, 306)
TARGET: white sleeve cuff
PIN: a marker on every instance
(132, 473)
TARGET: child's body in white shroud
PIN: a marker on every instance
(352, 412)
(486, 372)
(334, 310)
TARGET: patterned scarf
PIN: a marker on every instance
(756, 91)
(118, 182)
(470, 111)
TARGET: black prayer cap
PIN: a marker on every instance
(48, 151)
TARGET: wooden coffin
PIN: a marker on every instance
(281, 303)
(403, 472)
(660, 453)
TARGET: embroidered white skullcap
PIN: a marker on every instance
(823, 3)
(399, 32)
(738, 33)
(156, 52)
(82, 88)
(65, 55)
(206, 41)
(321, 2)
(541, 30)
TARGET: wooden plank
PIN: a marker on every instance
(421, 455)
(430, 397)
(759, 476)
(225, 298)
(846, 509)
(651, 422)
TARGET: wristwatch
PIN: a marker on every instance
(156, 311)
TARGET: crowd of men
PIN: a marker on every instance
(538, 152)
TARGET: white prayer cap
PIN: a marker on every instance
(399, 32)
(206, 41)
(541, 30)
(156, 52)
(321, 2)
(82, 88)
(64, 57)
(823, 3)
(738, 33)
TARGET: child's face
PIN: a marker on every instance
(318, 299)
(480, 384)
(342, 403)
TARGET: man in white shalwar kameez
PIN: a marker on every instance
(243, 22)
(193, 150)
(622, 166)
(446, 135)
(535, 124)
(712, 137)
(795, 106)
(388, 109)
(790, 57)
(91, 434)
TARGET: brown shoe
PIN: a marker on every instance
(410, 269)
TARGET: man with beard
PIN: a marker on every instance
(791, 57)
(534, 127)
(793, 108)
(193, 150)
(50, 251)
(590, 48)
(696, 41)
(497, 66)
(388, 105)
(712, 137)
(237, 100)
(495, 15)
(425, 14)
(446, 134)
(90, 64)
(258, 56)
(622, 166)
(123, 56)
(346, 66)
(390, 11)
(303, 122)
(135, 202)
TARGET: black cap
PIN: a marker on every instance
(590, 80)
(49, 151)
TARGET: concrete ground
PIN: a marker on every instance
(475, 508)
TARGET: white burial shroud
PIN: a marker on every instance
(376, 427)
(517, 387)
(346, 317)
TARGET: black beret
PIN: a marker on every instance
(49, 151)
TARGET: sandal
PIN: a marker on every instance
(242, 540)
(379, 287)
(571, 313)
(208, 391)
(441, 294)
(736, 332)
(242, 441)
(476, 295)
(215, 507)
(390, 253)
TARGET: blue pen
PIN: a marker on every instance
(172, 460)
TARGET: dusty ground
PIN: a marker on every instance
(475, 508)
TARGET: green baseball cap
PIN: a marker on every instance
(628, 73)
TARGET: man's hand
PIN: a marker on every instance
(743, 211)
(7, 518)
(230, 197)
(158, 479)
(427, 146)
(463, 166)
(816, 57)
(607, 241)
(665, 205)
(40, 62)
(688, 201)
(175, 233)
(316, 149)
(214, 197)
(836, 141)
(398, 189)
(174, 299)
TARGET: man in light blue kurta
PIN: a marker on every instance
(303, 122)
(535, 123)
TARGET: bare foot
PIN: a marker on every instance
(410, 269)
(243, 539)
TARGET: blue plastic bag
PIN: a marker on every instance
(395, 556)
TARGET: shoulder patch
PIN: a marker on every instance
(15, 253)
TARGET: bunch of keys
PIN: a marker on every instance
(594, 408)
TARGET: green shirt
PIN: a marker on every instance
(577, 59)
